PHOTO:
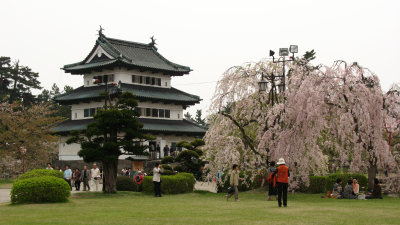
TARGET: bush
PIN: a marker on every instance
(317, 184)
(178, 168)
(125, 183)
(171, 184)
(331, 180)
(40, 189)
(41, 173)
(322, 184)
(167, 159)
(166, 167)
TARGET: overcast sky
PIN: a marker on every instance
(208, 36)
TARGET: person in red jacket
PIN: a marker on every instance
(282, 180)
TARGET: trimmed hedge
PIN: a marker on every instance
(41, 173)
(322, 184)
(167, 159)
(166, 167)
(40, 189)
(125, 183)
(171, 184)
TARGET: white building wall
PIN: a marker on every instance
(176, 111)
(125, 76)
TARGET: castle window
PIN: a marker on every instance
(148, 80)
(159, 81)
(161, 113)
(167, 113)
(154, 112)
(148, 112)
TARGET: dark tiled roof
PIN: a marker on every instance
(129, 54)
(168, 95)
(149, 125)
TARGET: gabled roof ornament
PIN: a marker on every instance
(153, 42)
(101, 31)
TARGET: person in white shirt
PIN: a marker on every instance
(157, 180)
(95, 173)
(49, 167)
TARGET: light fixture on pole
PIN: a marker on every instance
(262, 84)
(272, 78)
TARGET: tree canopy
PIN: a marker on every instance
(328, 117)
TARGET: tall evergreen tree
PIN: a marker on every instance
(198, 119)
(23, 80)
(116, 131)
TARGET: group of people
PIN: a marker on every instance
(89, 177)
(278, 180)
(352, 190)
(155, 151)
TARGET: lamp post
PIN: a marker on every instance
(270, 78)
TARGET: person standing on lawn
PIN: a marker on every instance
(234, 182)
(157, 180)
(282, 182)
(85, 177)
(77, 179)
(271, 187)
(68, 175)
(95, 172)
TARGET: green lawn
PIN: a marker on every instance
(202, 208)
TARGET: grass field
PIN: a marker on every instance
(202, 208)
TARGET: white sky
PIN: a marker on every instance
(208, 36)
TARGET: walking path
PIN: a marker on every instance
(4, 195)
(205, 186)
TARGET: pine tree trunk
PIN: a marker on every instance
(372, 170)
(110, 176)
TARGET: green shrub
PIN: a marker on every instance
(41, 173)
(178, 168)
(167, 159)
(322, 184)
(331, 180)
(125, 183)
(168, 172)
(166, 167)
(171, 184)
(40, 189)
(317, 184)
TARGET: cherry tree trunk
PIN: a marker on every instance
(110, 176)
(372, 170)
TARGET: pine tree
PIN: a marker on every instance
(116, 131)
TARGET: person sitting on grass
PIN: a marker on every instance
(348, 191)
(337, 189)
(356, 186)
(376, 192)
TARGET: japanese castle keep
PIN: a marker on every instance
(141, 69)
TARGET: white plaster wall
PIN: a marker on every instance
(174, 109)
(68, 151)
(125, 76)
(79, 109)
